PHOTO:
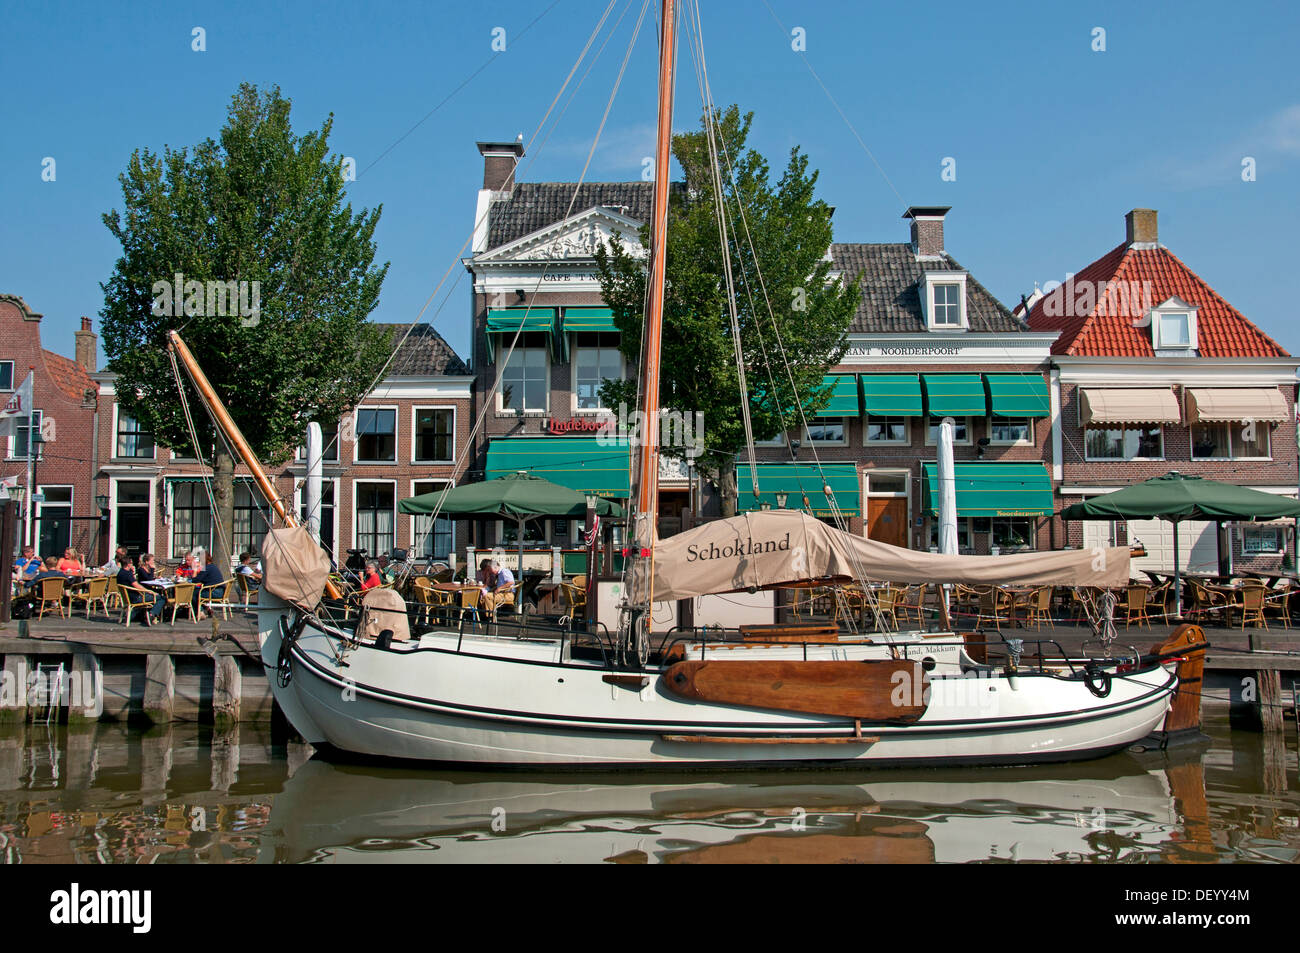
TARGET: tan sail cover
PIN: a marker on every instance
(384, 609)
(781, 547)
(294, 567)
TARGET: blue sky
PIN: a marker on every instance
(1053, 141)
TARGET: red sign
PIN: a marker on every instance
(580, 425)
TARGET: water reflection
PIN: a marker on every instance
(110, 794)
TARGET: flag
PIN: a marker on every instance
(6, 483)
(19, 406)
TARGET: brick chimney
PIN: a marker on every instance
(927, 229)
(87, 346)
(499, 161)
(1140, 227)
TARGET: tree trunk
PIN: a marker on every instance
(223, 490)
(727, 487)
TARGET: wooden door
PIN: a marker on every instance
(887, 520)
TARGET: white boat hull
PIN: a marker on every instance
(508, 703)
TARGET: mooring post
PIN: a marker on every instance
(227, 691)
(159, 688)
(13, 689)
(85, 689)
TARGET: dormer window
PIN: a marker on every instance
(1173, 328)
(943, 298)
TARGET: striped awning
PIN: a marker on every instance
(789, 483)
(993, 489)
(954, 395)
(1018, 395)
(1238, 404)
(588, 319)
(891, 395)
(585, 464)
(1114, 405)
(844, 396)
(510, 320)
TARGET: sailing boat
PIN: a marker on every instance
(536, 698)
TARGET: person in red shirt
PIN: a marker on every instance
(371, 579)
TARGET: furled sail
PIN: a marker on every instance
(785, 547)
(294, 567)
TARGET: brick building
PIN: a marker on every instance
(404, 438)
(1154, 371)
(62, 511)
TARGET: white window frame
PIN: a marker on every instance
(37, 415)
(356, 515)
(300, 454)
(300, 493)
(1027, 442)
(842, 442)
(415, 517)
(1160, 427)
(455, 422)
(356, 436)
(169, 516)
(1171, 307)
(1252, 528)
(970, 423)
(113, 481)
(501, 409)
(117, 409)
(1191, 433)
(929, 281)
(513, 547)
(906, 430)
(573, 376)
(13, 369)
(40, 508)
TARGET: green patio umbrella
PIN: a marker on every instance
(1177, 497)
(518, 496)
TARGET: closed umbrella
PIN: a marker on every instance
(1177, 497)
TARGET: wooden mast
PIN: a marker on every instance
(641, 528)
(236, 437)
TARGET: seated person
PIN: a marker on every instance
(70, 564)
(27, 566)
(209, 575)
(387, 572)
(51, 570)
(148, 569)
(137, 595)
(251, 575)
(371, 580)
(111, 567)
(503, 588)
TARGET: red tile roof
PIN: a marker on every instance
(69, 376)
(1106, 328)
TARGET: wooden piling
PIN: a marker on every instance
(227, 691)
(13, 689)
(159, 688)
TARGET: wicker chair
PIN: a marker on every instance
(96, 590)
(1250, 602)
(247, 589)
(1039, 607)
(50, 592)
(1135, 605)
(1279, 602)
(575, 600)
(217, 596)
(139, 597)
(886, 607)
(181, 598)
(992, 606)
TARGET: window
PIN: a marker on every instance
(54, 520)
(376, 517)
(326, 512)
(947, 306)
(827, 431)
(191, 519)
(525, 383)
(132, 517)
(376, 435)
(1125, 442)
(961, 432)
(887, 430)
(438, 541)
(1262, 540)
(1231, 441)
(887, 483)
(6, 375)
(1015, 533)
(534, 532)
(963, 536)
(329, 434)
(1173, 327)
(435, 434)
(18, 444)
(250, 519)
(1175, 330)
(132, 439)
(596, 358)
(1009, 429)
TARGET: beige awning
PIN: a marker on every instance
(1217, 404)
(1114, 405)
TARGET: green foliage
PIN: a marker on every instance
(257, 204)
(790, 231)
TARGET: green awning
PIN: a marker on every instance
(580, 463)
(993, 489)
(891, 395)
(954, 395)
(797, 480)
(844, 396)
(1018, 395)
(509, 320)
(588, 319)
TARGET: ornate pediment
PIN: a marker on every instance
(573, 239)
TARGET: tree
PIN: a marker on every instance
(258, 215)
(781, 239)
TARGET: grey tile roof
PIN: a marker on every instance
(889, 275)
(424, 353)
(534, 205)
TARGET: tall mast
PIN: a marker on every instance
(641, 535)
(235, 437)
